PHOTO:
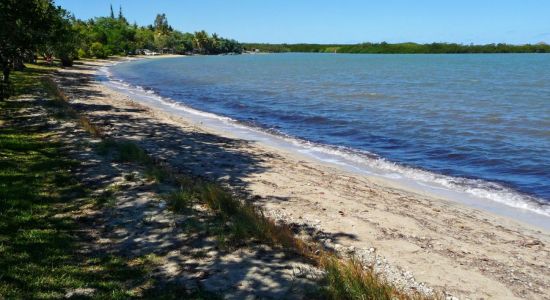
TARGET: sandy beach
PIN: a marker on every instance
(416, 241)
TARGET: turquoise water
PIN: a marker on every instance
(481, 120)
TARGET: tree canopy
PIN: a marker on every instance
(29, 26)
(117, 37)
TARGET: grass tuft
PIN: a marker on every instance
(130, 152)
(180, 201)
(344, 278)
(124, 151)
(156, 173)
(108, 196)
(348, 279)
(131, 177)
(247, 222)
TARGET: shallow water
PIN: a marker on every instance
(481, 120)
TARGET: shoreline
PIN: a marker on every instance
(502, 202)
(447, 245)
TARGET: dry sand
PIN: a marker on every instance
(417, 241)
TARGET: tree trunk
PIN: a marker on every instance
(66, 61)
(18, 64)
(6, 73)
(4, 85)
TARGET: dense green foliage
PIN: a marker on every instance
(104, 36)
(412, 48)
(28, 26)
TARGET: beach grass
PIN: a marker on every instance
(348, 279)
(180, 201)
(124, 151)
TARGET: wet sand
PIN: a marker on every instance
(417, 241)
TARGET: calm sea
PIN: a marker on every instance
(480, 120)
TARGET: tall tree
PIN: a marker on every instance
(25, 26)
(63, 39)
(161, 24)
(201, 42)
(121, 16)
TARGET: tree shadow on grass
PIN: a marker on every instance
(37, 238)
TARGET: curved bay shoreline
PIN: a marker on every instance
(407, 236)
(157, 83)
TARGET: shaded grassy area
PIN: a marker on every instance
(40, 243)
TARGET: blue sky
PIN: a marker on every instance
(342, 21)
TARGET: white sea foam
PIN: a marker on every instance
(475, 192)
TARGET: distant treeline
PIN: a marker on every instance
(400, 48)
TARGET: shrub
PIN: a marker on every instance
(67, 60)
(98, 50)
(82, 53)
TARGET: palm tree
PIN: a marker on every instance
(215, 43)
(201, 42)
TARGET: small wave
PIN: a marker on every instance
(475, 187)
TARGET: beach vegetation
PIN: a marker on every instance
(130, 152)
(179, 201)
(240, 223)
(349, 279)
(97, 50)
(118, 37)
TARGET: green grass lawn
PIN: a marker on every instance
(39, 242)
